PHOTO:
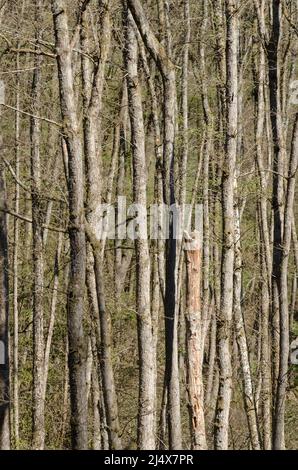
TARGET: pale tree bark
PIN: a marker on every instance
(65, 399)
(89, 367)
(184, 105)
(15, 268)
(208, 119)
(93, 83)
(219, 124)
(123, 257)
(53, 310)
(96, 434)
(194, 340)
(96, 397)
(158, 274)
(147, 352)
(75, 300)
(248, 392)
(155, 310)
(181, 170)
(212, 379)
(265, 264)
(219, 26)
(295, 278)
(261, 163)
(38, 430)
(265, 354)
(211, 358)
(293, 298)
(167, 71)
(240, 330)
(227, 266)
(108, 382)
(279, 415)
(271, 43)
(54, 157)
(158, 180)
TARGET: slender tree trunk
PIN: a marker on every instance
(248, 393)
(211, 358)
(38, 431)
(207, 149)
(184, 98)
(277, 190)
(171, 321)
(65, 401)
(92, 147)
(147, 384)
(158, 180)
(279, 418)
(15, 269)
(240, 331)
(227, 266)
(96, 436)
(109, 391)
(265, 354)
(53, 309)
(265, 262)
(75, 301)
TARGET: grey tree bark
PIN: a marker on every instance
(75, 300)
(15, 269)
(38, 429)
(265, 264)
(221, 441)
(167, 71)
(93, 83)
(279, 415)
(147, 384)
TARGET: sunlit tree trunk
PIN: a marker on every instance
(227, 266)
(147, 377)
(279, 416)
(38, 432)
(93, 84)
(75, 301)
(167, 71)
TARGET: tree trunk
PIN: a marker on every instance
(279, 418)
(277, 189)
(227, 266)
(248, 393)
(194, 340)
(15, 270)
(147, 383)
(38, 430)
(53, 309)
(93, 91)
(171, 321)
(265, 255)
(75, 301)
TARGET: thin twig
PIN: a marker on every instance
(27, 219)
(50, 121)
